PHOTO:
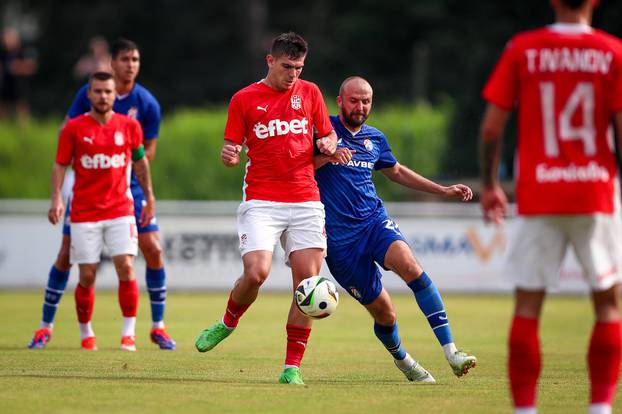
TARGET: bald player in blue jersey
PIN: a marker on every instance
(361, 235)
(138, 103)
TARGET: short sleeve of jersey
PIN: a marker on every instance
(137, 134)
(80, 104)
(151, 119)
(66, 144)
(616, 104)
(321, 121)
(235, 128)
(386, 159)
(502, 86)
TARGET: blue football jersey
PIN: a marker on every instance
(347, 191)
(139, 104)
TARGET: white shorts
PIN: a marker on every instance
(540, 242)
(261, 224)
(88, 239)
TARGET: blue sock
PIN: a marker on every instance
(430, 302)
(390, 338)
(156, 284)
(57, 281)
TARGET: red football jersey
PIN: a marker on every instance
(567, 82)
(277, 129)
(102, 161)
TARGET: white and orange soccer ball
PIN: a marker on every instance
(316, 297)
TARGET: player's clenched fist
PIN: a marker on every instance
(461, 191)
(230, 154)
(328, 144)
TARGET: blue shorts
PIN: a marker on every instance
(139, 202)
(354, 266)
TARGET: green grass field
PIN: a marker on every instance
(345, 368)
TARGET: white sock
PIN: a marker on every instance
(449, 349)
(526, 410)
(405, 363)
(600, 408)
(129, 326)
(157, 325)
(46, 325)
(86, 330)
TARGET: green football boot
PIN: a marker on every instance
(211, 337)
(291, 376)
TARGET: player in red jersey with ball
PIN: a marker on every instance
(566, 80)
(274, 119)
(101, 146)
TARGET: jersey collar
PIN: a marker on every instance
(570, 28)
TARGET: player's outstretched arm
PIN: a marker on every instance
(341, 156)
(493, 199)
(230, 153)
(57, 207)
(403, 175)
(327, 144)
(143, 175)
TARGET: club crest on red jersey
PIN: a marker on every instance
(118, 138)
(296, 102)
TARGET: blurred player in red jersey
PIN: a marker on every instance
(100, 146)
(274, 119)
(566, 80)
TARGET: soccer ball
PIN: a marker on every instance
(316, 297)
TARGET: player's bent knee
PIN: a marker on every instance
(386, 318)
(150, 247)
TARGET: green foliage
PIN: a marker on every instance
(187, 164)
(26, 158)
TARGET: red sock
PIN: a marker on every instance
(524, 361)
(297, 337)
(85, 299)
(128, 297)
(604, 361)
(233, 313)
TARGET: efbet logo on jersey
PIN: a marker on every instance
(278, 127)
(102, 161)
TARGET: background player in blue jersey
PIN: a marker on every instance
(137, 102)
(361, 233)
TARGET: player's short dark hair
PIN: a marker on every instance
(121, 45)
(289, 44)
(574, 4)
(100, 76)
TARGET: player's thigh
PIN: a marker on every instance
(120, 236)
(596, 240)
(305, 263)
(355, 270)
(305, 229)
(257, 265)
(124, 265)
(87, 242)
(259, 226)
(400, 259)
(537, 248)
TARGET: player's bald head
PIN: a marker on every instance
(355, 84)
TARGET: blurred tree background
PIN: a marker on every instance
(425, 60)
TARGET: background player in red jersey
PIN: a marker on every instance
(566, 80)
(274, 119)
(99, 145)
